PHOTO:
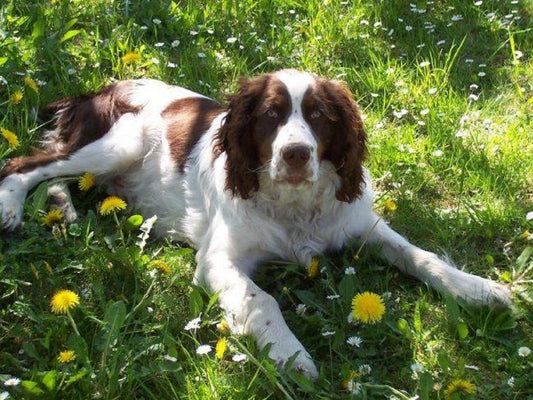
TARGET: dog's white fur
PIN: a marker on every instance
(232, 235)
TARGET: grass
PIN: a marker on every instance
(446, 91)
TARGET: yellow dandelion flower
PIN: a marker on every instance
(66, 356)
(86, 182)
(112, 204)
(52, 217)
(63, 300)
(11, 138)
(368, 308)
(131, 57)
(31, 84)
(312, 271)
(220, 348)
(223, 327)
(161, 265)
(16, 97)
(459, 386)
(390, 205)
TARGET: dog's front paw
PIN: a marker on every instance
(11, 207)
(497, 295)
(281, 353)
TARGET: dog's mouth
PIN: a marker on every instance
(295, 179)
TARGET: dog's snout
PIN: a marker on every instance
(296, 155)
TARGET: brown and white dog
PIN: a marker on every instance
(276, 174)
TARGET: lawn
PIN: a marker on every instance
(446, 91)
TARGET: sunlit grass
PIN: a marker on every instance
(445, 89)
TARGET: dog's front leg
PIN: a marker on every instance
(437, 273)
(248, 309)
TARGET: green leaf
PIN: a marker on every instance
(444, 361)
(114, 318)
(196, 302)
(50, 379)
(426, 385)
(74, 230)
(403, 326)
(134, 221)
(462, 330)
(69, 35)
(453, 309)
(39, 28)
(74, 378)
(32, 387)
(347, 287)
(417, 320)
(38, 200)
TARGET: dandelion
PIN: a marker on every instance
(355, 341)
(112, 204)
(52, 217)
(239, 357)
(223, 327)
(63, 300)
(66, 356)
(131, 57)
(12, 382)
(349, 271)
(11, 138)
(203, 349)
(86, 182)
(524, 351)
(161, 266)
(390, 205)
(312, 270)
(459, 386)
(300, 309)
(220, 348)
(16, 97)
(31, 84)
(367, 307)
(193, 324)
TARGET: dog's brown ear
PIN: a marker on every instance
(348, 151)
(235, 138)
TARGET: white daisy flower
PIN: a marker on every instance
(354, 387)
(193, 324)
(170, 358)
(12, 382)
(203, 349)
(417, 368)
(365, 369)
(524, 351)
(300, 309)
(239, 357)
(349, 271)
(354, 341)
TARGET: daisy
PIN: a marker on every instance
(354, 341)
(63, 300)
(367, 307)
(365, 369)
(524, 351)
(112, 204)
(300, 309)
(239, 357)
(86, 181)
(417, 367)
(193, 324)
(11, 138)
(170, 358)
(12, 382)
(4, 395)
(203, 349)
(349, 271)
(66, 356)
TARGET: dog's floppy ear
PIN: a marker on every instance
(235, 138)
(348, 151)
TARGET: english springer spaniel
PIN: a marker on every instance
(275, 174)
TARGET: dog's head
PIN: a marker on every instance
(285, 125)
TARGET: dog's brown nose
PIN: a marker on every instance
(296, 155)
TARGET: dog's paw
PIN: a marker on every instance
(496, 295)
(299, 358)
(479, 291)
(11, 207)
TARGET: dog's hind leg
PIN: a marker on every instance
(59, 197)
(115, 151)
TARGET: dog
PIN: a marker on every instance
(276, 174)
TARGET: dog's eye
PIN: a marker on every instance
(315, 114)
(272, 113)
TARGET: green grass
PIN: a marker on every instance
(458, 165)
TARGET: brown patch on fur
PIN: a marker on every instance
(187, 120)
(339, 130)
(78, 122)
(248, 131)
